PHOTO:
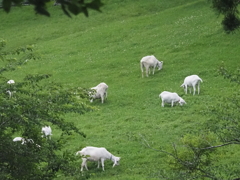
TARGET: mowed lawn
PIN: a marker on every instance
(107, 47)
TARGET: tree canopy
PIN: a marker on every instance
(229, 10)
(68, 6)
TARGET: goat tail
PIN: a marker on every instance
(200, 79)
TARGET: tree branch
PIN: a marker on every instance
(145, 143)
(221, 145)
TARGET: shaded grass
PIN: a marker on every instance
(107, 47)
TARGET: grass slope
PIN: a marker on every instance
(107, 47)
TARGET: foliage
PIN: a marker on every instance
(229, 9)
(10, 63)
(225, 115)
(232, 76)
(187, 160)
(33, 104)
(196, 156)
(68, 6)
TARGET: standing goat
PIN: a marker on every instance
(47, 131)
(192, 81)
(90, 153)
(10, 82)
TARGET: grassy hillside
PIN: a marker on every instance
(107, 47)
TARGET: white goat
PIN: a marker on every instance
(47, 131)
(25, 141)
(169, 97)
(11, 81)
(9, 93)
(100, 92)
(90, 153)
(192, 81)
(150, 62)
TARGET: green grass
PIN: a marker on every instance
(107, 47)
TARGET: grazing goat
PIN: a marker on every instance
(22, 140)
(25, 141)
(47, 131)
(90, 153)
(192, 81)
(150, 62)
(11, 82)
(100, 92)
(169, 97)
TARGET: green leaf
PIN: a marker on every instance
(65, 11)
(41, 10)
(85, 11)
(95, 4)
(74, 9)
(7, 5)
(17, 2)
